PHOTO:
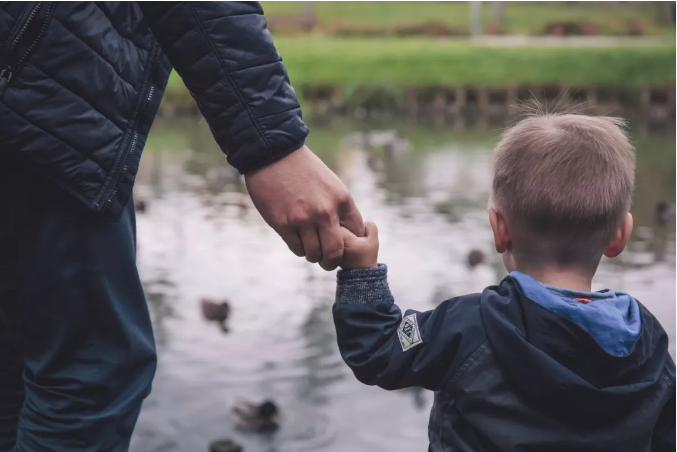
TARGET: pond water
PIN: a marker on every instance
(201, 237)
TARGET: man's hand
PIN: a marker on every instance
(360, 252)
(306, 203)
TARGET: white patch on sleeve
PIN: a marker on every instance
(408, 332)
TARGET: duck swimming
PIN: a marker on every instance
(225, 445)
(261, 418)
(216, 312)
(664, 213)
(374, 163)
(475, 257)
(139, 205)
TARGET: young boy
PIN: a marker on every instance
(539, 362)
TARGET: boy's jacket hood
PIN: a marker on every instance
(561, 368)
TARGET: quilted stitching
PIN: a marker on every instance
(55, 80)
(114, 27)
(131, 85)
(237, 71)
(222, 51)
(40, 129)
(260, 118)
(233, 85)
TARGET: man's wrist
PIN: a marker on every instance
(273, 159)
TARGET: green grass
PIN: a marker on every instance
(398, 62)
(520, 17)
(428, 61)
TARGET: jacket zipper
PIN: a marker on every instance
(21, 32)
(8, 70)
(135, 138)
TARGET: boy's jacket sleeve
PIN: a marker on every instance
(393, 351)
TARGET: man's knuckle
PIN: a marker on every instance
(296, 248)
(313, 257)
(324, 213)
(282, 222)
(299, 219)
(334, 254)
(344, 198)
(329, 266)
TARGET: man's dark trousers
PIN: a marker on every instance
(77, 355)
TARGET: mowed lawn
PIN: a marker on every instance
(520, 17)
(397, 62)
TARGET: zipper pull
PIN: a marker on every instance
(5, 78)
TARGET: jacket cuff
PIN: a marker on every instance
(363, 286)
(252, 164)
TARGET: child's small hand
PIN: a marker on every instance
(360, 252)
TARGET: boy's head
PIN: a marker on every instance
(562, 191)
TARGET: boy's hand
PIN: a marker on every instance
(306, 203)
(360, 252)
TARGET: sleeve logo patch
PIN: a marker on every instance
(408, 332)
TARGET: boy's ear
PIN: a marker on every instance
(620, 239)
(501, 231)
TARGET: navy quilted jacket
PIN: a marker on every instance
(81, 82)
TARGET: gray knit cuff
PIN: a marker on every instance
(363, 286)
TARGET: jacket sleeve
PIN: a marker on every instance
(393, 351)
(226, 58)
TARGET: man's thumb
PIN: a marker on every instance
(371, 231)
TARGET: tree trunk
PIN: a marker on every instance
(475, 26)
(498, 13)
(664, 12)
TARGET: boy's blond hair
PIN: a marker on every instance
(565, 183)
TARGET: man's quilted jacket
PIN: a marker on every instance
(81, 82)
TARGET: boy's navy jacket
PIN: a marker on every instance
(509, 374)
(81, 82)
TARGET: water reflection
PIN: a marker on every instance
(427, 189)
(161, 304)
(321, 363)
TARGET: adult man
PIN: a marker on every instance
(80, 83)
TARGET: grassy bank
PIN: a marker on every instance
(429, 61)
(520, 17)
(421, 62)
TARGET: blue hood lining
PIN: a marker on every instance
(613, 319)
